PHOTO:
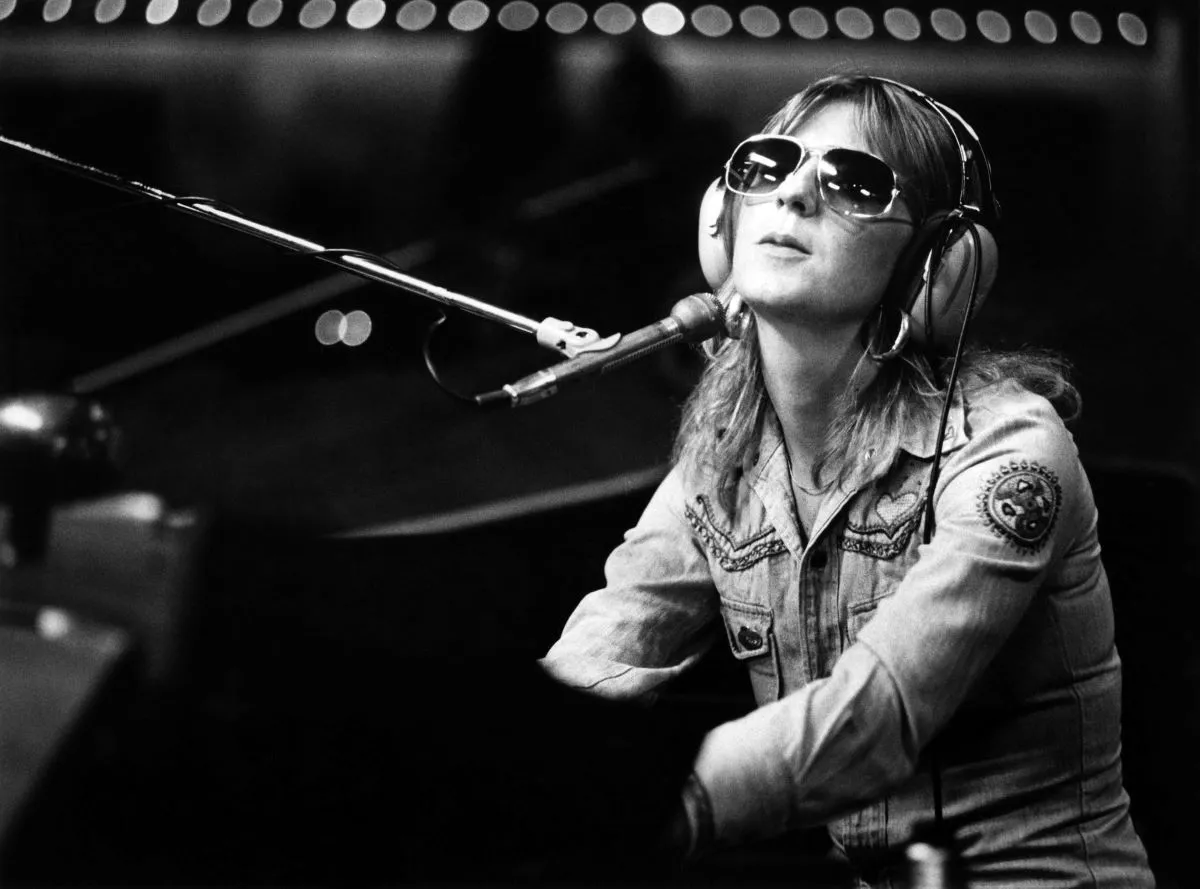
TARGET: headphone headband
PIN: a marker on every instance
(975, 196)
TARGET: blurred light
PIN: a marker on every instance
(213, 12)
(356, 328)
(1132, 28)
(160, 11)
(994, 26)
(415, 15)
(615, 18)
(468, 15)
(317, 13)
(948, 24)
(144, 508)
(55, 9)
(21, 416)
(1085, 26)
(1040, 26)
(264, 13)
(520, 15)
(759, 21)
(902, 24)
(712, 21)
(566, 18)
(109, 11)
(854, 23)
(365, 14)
(53, 623)
(329, 327)
(6, 8)
(808, 22)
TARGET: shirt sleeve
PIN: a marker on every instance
(1007, 505)
(654, 617)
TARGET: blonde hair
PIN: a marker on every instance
(723, 418)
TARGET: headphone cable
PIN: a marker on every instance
(935, 769)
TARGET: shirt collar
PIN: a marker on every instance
(770, 444)
(767, 474)
(921, 441)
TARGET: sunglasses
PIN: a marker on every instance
(851, 182)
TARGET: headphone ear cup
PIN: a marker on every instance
(937, 321)
(710, 239)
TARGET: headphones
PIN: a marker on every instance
(931, 285)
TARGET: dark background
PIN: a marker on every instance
(315, 674)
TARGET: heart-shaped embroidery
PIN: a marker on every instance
(891, 508)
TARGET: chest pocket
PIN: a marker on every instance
(733, 551)
(859, 615)
(882, 523)
(748, 627)
(750, 632)
(877, 538)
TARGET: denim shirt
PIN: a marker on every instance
(863, 644)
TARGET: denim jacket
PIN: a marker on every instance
(863, 644)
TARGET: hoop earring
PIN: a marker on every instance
(735, 317)
(900, 342)
(713, 345)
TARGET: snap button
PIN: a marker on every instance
(749, 639)
(818, 560)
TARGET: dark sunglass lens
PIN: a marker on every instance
(758, 167)
(856, 183)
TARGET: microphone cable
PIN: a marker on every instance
(434, 373)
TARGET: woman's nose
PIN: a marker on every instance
(799, 189)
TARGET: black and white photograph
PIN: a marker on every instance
(584, 443)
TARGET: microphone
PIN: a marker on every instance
(693, 318)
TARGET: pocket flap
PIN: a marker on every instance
(748, 628)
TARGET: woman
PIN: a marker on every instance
(794, 519)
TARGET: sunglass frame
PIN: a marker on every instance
(816, 154)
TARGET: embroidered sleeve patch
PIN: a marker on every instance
(1021, 503)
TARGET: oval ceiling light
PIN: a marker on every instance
(854, 23)
(520, 15)
(759, 21)
(1040, 26)
(712, 21)
(663, 19)
(1133, 29)
(902, 24)
(994, 26)
(416, 15)
(948, 24)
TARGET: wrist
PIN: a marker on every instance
(698, 811)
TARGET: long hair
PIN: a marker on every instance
(723, 417)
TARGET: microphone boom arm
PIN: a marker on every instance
(552, 333)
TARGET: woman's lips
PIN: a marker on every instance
(784, 242)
